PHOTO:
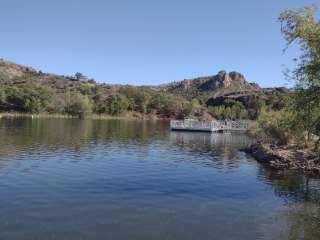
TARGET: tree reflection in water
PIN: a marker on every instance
(18, 134)
(219, 146)
(301, 195)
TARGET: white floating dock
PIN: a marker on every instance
(208, 126)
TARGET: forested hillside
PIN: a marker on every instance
(222, 96)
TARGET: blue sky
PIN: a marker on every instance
(145, 42)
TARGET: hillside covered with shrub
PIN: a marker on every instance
(222, 96)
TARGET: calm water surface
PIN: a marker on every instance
(116, 179)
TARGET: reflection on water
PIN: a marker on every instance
(116, 179)
(55, 134)
(220, 147)
(207, 139)
(301, 196)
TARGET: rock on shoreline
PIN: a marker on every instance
(285, 157)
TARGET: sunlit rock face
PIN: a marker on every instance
(221, 84)
(226, 79)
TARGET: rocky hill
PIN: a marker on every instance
(223, 84)
(12, 74)
(24, 88)
(220, 85)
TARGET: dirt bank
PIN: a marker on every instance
(286, 157)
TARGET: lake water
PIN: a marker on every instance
(75, 179)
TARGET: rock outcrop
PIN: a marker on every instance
(221, 84)
(224, 85)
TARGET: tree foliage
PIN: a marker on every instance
(2, 96)
(139, 98)
(117, 104)
(77, 104)
(80, 77)
(277, 126)
(299, 116)
(26, 98)
(301, 26)
(229, 109)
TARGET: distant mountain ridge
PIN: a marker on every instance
(13, 74)
(221, 84)
(23, 88)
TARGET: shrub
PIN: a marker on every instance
(2, 96)
(117, 104)
(139, 98)
(277, 127)
(233, 112)
(28, 98)
(77, 104)
(158, 102)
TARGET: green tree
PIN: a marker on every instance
(277, 126)
(28, 98)
(77, 104)
(2, 96)
(139, 98)
(36, 98)
(99, 105)
(117, 104)
(230, 109)
(186, 110)
(254, 105)
(80, 77)
(195, 104)
(142, 98)
(158, 102)
(301, 26)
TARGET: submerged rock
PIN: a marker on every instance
(260, 153)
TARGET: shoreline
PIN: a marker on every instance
(129, 115)
(288, 157)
